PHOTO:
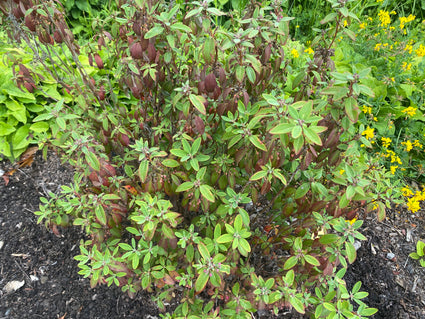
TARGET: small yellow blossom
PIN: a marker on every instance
(393, 168)
(406, 66)
(411, 111)
(384, 17)
(352, 221)
(345, 23)
(386, 141)
(408, 48)
(393, 12)
(406, 191)
(295, 53)
(369, 133)
(413, 204)
(341, 171)
(377, 47)
(421, 51)
(309, 51)
(375, 119)
(408, 144)
(362, 25)
(367, 109)
(404, 20)
(417, 144)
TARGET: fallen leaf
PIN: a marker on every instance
(14, 285)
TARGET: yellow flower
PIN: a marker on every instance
(295, 53)
(406, 66)
(384, 17)
(413, 204)
(341, 171)
(367, 109)
(406, 191)
(309, 51)
(421, 51)
(369, 133)
(408, 48)
(377, 47)
(386, 141)
(352, 221)
(408, 145)
(393, 12)
(411, 111)
(393, 168)
(417, 144)
(362, 25)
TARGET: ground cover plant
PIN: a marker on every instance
(217, 160)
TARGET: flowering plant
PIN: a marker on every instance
(392, 121)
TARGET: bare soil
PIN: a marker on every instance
(42, 263)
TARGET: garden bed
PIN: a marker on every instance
(43, 263)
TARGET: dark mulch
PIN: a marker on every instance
(44, 263)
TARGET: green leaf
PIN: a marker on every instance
(198, 102)
(180, 27)
(279, 175)
(302, 190)
(311, 260)
(243, 243)
(209, 50)
(255, 140)
(157, 30)
(204, 251)
(178, 152)
(291, 262)
(258, 175)
(92, 160)
(351, 109)
(311, 136)
(272, 101)
(170, 163)
(351, 252)
(39, 127)
(202, 280)
(240, 73)
(328, 239)
(282, 128)
(207, 193)
(100, 214)
(250, 73)
(184, 187)
(143, 170)
(297, 304)
(226, 238)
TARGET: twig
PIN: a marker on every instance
(28, 277)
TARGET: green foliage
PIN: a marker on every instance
(200, 146)
(20, 105)
(420, 253)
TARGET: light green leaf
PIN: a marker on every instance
(202, 280)
(92, 160)
(198, 102)
(143, 170)
(184, 187)
(255, 140)
(258, 175)
(207, 193)
(157, 30)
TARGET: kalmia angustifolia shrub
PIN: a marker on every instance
(209, 160)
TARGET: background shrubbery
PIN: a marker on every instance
(222, 157)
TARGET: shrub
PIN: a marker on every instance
(216, 164)
(24, 95)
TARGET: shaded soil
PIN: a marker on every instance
(51, 287)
